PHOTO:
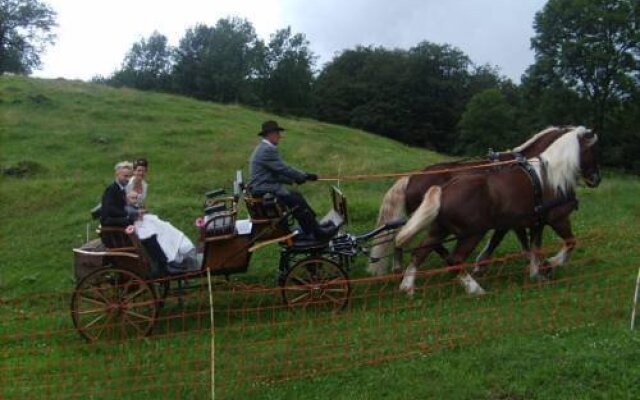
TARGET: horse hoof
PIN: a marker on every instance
(547, 270)
(409, 290)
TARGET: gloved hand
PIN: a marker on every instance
(312, 177)
(301, 180)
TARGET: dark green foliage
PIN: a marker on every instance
(287, 78)
(147, 66)
(414, 96)
(488, 122)
(593, 47)
(215, 63)
(587, 71)
(25, 30)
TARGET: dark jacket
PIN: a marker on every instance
(113, 212)
(269, 173)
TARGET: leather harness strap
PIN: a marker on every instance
(536, 185)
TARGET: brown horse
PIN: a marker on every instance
(470, 205)
(404, 197)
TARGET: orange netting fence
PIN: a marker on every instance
(259, 341)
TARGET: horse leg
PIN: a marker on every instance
(397, 260)
(534, 252)
(485, 254)
(418, 256)
(562, 228)
(463, 248)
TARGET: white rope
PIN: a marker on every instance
(213, 351)
(636, 299)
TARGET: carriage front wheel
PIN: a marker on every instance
(316, 282)
(113, 304)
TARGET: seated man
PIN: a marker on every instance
(113, 211)
(269, 174)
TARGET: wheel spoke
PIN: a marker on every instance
(297, 299)
(300, 281)
(95, 290)
(135, 326)
(333, 299)
(105, 325)
(297, 288)
(138, 315)
(135, 294)
(142, 303)
(98, 318)
(92, 300)
(90, 311)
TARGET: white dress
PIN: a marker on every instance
(177, 247)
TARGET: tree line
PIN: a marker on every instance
(586, 72)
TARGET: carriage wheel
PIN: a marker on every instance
(113, 304)
(318, 283)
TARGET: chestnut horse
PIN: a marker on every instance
(404, 197)
(470, 205)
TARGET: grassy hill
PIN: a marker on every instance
(60, 139)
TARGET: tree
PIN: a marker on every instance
(593, 47)
(488, 122)
(289, 63)
(147, 65)
(217, 63)
(25, 30)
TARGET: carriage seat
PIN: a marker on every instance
(263, 208)
(147, 258)
(220, 219)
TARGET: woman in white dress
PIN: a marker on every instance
(177, 247)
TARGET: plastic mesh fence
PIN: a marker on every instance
(261, 341)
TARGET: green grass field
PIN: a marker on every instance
(565, 339)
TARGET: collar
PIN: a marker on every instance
(122, 187)
(268, 143)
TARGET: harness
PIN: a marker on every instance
(541, 208)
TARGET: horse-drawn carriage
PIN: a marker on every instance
(117, 296)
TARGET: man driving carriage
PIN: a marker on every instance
(269, 175)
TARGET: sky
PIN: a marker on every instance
(93, 36)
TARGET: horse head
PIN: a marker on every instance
(589, 168)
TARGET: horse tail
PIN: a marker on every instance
(392, 208)
(422, 217)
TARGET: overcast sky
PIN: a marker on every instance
(95, 35)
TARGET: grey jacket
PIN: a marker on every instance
(269, 173)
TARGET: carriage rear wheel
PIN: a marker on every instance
(317, 283)
(113, 304)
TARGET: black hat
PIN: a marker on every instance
(270, 126)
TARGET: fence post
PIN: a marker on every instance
(636, 299)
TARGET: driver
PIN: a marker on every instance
(269, 174)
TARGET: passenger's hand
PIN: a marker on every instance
(312, 177)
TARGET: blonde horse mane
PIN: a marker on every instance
(534, 138)
(562, 160)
